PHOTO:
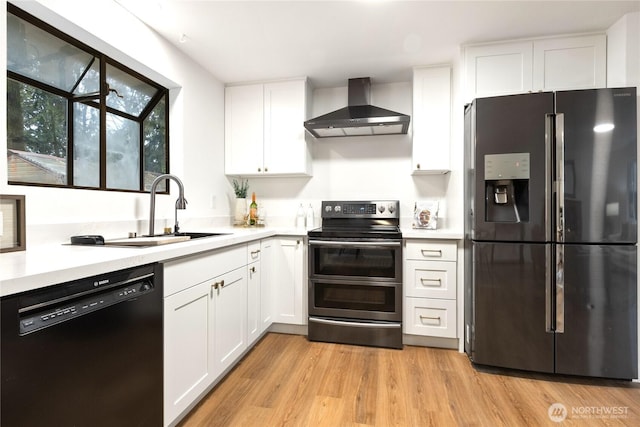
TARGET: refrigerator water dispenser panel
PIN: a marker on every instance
(506, 166)
(506, 187)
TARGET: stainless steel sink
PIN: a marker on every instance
(199, 235)
(161, 239)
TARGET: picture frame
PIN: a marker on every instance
(13, 236)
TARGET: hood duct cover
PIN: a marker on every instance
(359, 117)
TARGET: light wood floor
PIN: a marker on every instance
(288, 381)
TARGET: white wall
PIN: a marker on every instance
(196, 128)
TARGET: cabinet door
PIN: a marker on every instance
(431, 119)
(254, 271)
(285, 147)
(266, 300)
(243, 129)
(289, 283)
(188, 355)
(230, 318)
(570, 63)
(498, 69)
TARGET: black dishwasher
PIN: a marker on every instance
(84, 353)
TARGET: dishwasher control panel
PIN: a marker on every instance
(35, 320)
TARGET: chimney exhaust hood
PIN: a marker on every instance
(359, 117)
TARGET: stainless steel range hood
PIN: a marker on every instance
(359, 117)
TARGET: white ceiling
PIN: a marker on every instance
(331, 41)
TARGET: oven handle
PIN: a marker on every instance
(350, 243)
(355, 324)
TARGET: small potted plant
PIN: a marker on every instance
(240, 189)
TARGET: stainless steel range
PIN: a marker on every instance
(355, 274)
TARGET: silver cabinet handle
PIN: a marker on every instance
(255, 253)
(426, 282)
(431, 252)
(429, 318)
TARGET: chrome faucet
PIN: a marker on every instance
(181, 203)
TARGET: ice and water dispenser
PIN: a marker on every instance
(506, 181)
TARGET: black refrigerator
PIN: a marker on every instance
(550, 232)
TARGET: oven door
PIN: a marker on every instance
(356, 299)
(361, 259)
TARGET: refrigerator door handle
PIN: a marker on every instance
(548, 291)
(559, 252)
(548, 191)
(559, 177)
(559, 306)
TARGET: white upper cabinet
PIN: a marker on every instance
(264, 132)
(498, 69)
(431, 119)
(243, 129)
(570, 63)
(547, 64)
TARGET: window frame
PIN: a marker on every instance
(99, 103)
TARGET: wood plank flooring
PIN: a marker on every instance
(288, 381)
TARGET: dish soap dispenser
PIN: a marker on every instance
(300, 217)
(310, 219)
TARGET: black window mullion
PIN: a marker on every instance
(38, 84)
(141, 159)
(103, 123)
(84, 73)
(70, 144)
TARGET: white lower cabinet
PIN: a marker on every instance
(289, 281)
(266, 284)
(430, 317)
(259, 301)
(188, 348)
(205, 323)
(430, 288)
(229, 293)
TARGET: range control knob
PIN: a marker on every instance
(381, 208)
(327, 208)
(338, 208)
(391, 208)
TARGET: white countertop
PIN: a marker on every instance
(46, 265)
(444, 234)
(50, 264)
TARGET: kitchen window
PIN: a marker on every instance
(75, 117)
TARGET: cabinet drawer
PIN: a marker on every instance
(182, 273)
(435, 250)
(430, 279)
(253, 252)
(430, 317)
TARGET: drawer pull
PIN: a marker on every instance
(255, 253)
(428, 282)
(430, 320)
(432, 253)
(429, 317)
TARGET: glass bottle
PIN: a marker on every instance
(253, 210)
